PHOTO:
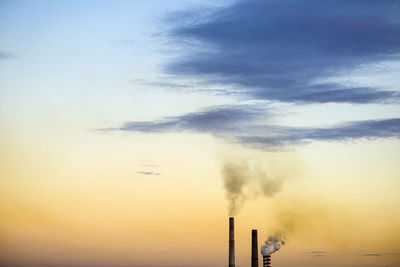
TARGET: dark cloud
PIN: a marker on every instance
(217, 120)
(283, 50)
(367, 129)
(372, 255)
(242, 124)
(148, 173)
(317, 252)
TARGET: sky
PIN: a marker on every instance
(131, 130)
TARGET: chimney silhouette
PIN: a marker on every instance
(231, 242)
(254, 248)
(267, 261)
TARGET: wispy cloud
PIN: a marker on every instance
(247, 125)
(317, 253)
(6, 55)
(148, 173)
(127, 42)
(373, 255)
(283, 50)
(224, 119)
(163, 84)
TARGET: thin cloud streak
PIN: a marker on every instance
(348, 131)
(148, 173)
(216, 120)
(241, 124)
(372, 255)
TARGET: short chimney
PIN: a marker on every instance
(267, 261)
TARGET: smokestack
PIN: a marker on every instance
(254, 248)
(231, 242)
(267, 261)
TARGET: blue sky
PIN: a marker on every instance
(109, 57)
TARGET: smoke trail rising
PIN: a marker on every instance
(237, 175)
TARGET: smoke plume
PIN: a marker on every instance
(235, 178)
(272, 244)
(239, 174)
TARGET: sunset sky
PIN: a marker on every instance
(131, 130)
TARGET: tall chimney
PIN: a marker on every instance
(254, 248)
(267, 261)
(231, 242)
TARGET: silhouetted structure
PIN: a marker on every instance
(231, 242)
(254, 248)
(267, 261)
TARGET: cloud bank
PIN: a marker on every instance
(289, 51)
(284, 50)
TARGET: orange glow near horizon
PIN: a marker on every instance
(67, 212)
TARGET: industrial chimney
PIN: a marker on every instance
(231, 242)
(267, 261)
(254, 248)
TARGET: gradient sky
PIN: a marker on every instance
(119, 120)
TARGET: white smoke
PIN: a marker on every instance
(272, 245)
